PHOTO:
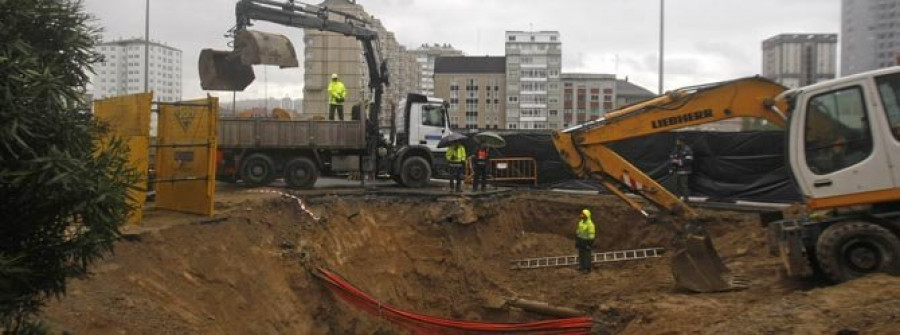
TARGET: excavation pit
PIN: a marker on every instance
(440, 255)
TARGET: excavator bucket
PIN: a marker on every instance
(259, 48)
(697, 267)
(223, 71)
(233, 71)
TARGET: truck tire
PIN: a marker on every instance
(301, 172)
(415, 172)
(850, 250)
(257, 170)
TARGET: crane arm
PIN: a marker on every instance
(301, 16)
(585, 148)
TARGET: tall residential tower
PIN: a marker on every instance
(533, 64)
(796, 60)
(121, 71)
(870, 35)
(425, 56)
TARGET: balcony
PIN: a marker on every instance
(524, 105)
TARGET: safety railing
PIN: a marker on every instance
(508, 169)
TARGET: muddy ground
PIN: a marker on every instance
(248, 271)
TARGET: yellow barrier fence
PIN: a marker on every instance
(185, 156)
(128, 117)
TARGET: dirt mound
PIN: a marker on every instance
(249, 272)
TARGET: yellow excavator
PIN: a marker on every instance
(843, 148)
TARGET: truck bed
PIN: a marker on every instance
(287, 134)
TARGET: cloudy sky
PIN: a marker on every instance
(706, 40)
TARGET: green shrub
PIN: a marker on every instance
(63, 196)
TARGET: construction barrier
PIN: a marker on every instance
(185, 156)
(128, 118)
(423, 324)
(509, 169)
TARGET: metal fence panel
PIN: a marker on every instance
(185, 157)
(128, 118)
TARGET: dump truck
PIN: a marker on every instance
(843, 150)
(257, 151)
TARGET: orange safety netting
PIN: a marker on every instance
(423, 324)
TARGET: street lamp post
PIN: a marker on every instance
(662, 34)
(147, 49)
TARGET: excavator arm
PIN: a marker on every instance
(585, 149)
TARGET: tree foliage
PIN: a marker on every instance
(63, 195)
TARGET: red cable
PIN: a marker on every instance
(423, 324)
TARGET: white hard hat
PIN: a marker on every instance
(334, 76)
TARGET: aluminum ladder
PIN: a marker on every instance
(599, 257)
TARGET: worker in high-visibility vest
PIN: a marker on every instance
(337, 93)
(480, 164)
(585, 234)
(456, 157)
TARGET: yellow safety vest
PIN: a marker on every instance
(456, 153)
(586, 228)
(336, 91)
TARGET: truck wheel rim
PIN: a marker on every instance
(300, 173)
(258, 171)
(416, 172)
(863, 256)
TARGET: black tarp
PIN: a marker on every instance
(728, 166)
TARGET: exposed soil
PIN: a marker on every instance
(249, 271)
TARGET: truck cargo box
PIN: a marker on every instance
(270, 133)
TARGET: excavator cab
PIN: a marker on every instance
(233, 71)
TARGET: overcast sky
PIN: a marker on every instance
(706, 40)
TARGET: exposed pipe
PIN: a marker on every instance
(544, 308)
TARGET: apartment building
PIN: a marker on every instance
(425, 56)
(121, 70)
(533, 66)
(796, 60)
(327, 53)
(870, 35)
(586, 96)
(475, 88)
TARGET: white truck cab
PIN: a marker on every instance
(845, 137)
(419, 124)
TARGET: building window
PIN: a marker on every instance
(512, 38)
